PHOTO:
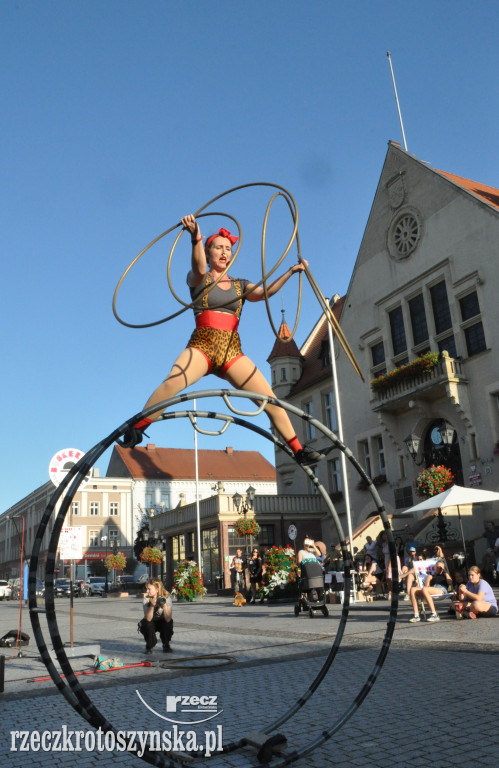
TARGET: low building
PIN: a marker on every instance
(102, 509)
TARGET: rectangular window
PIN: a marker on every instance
(210, 555)
(378, 353)
(448, 345)
(330, 411)
(310, 429)
(266, 536)
(475, 339)
(365, 456)
(94, 508)
(75, 508)
(381, 456)
(283, 374)
(441, 309)
(334, 473)
(178, 549)
(418, 319)
(469, 306)
(114, 537)
(397, 330)
(93, 538)
(113, 508)
(403, 497)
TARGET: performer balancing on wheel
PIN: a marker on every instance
(215, 347)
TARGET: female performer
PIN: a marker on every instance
(215, 347)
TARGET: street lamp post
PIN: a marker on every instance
(242, 508)
(104, 541)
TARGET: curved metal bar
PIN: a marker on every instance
(77, 697)
(259, 410)
(211, 433)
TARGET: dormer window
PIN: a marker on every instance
(325, 354)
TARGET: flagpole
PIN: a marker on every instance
(340, 435)
(198, 519)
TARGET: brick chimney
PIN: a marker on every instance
(229, 450)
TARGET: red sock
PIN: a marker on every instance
(143, 424)
(294, 444)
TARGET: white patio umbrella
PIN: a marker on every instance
(455, 496)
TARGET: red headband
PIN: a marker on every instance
(222, 233)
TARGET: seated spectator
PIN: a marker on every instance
(383, 543)
(436, 583)
(371, 548)
(438, 553)
(400, 547)
(490, 533)
(488, 566)
(372, 574)
(476, 599)
(408, 572)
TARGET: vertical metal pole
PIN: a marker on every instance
(397, 100)
(342, 455)
(198, 518)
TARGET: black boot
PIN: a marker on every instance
(131, 438)
(307, 456)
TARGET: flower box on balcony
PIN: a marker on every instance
(418, 367)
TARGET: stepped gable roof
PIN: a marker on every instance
(486, 193)
(283, 348)
(154, 463)
(313, 369)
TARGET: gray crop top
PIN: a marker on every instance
(218, 296)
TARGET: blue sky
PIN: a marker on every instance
(120, 117)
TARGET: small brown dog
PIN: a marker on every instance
(239, 600)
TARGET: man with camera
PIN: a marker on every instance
(157, 616)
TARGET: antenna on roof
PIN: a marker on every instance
(397, 100)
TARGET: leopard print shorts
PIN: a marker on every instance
(221, 348)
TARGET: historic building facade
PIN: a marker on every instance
(425, 281)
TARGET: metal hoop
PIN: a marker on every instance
(76, 695)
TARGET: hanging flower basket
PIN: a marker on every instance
(188, 582)
(418, 367)
(246, 527)
(151, 555)
(116, 562)
(433, 480)
(281, 573)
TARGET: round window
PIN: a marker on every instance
(404, 234)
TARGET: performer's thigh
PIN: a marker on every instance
(190, 366)
(243, 374)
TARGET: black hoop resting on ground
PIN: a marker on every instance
(72, 690)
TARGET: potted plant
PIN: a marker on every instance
(117, 561)
(188, 582)
(280, 574)
(151, 555)
(246, 527)
(433, 480)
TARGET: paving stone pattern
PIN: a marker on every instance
(436, 678)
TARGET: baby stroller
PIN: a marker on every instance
(311, 592)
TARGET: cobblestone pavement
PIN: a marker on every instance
(262, 660)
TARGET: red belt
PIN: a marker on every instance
(222, 321)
